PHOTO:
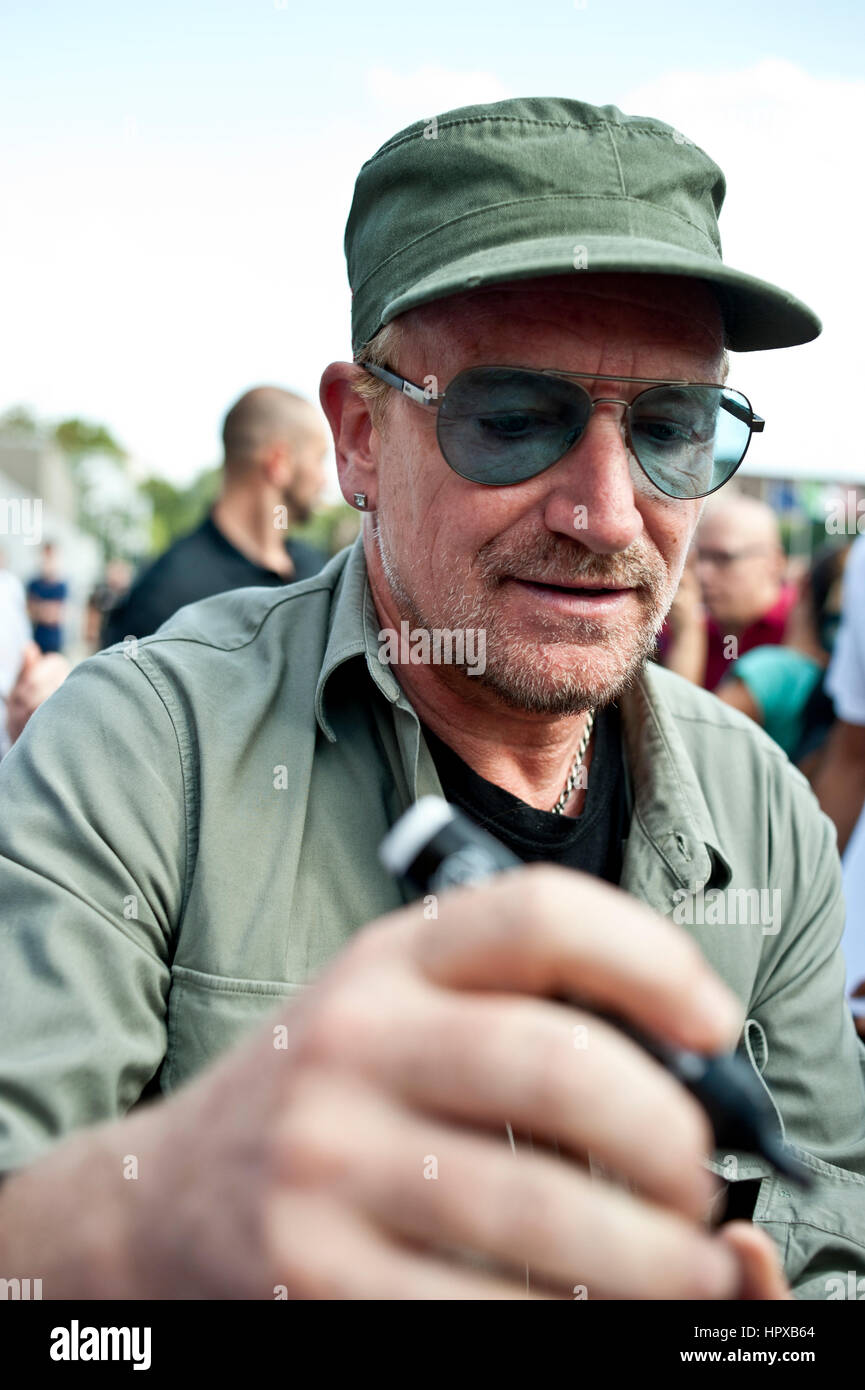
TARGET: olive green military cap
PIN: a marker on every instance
(543, 186)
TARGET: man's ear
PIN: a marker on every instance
(351, 426)
(278, 465)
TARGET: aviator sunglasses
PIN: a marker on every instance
(503, 425)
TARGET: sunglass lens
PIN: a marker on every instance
(690, 439)
(501, 425)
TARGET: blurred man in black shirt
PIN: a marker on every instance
(275, 446)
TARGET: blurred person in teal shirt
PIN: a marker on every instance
(781, 687)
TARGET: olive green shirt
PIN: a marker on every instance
(189, 831)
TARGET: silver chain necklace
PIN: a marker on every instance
(562, 802)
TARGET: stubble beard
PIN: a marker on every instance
(525, 672)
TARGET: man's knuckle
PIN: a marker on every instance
(678, 1120)
(546, 1065)
(313, 1268)
(528, 1211)
(335, 1028)
(312, 1147)
(530, 901)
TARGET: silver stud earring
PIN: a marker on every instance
(360, 501)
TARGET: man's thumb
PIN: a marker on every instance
(762, 1273)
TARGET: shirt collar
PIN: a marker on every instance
(354, 629)
(668, 803)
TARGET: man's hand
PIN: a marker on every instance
(686, 611)
(39, 676)
(356, 1146)
(688, 644)
(763, 1276)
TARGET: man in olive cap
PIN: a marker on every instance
(537, 408)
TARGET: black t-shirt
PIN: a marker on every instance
(591, 841)
(195, 567)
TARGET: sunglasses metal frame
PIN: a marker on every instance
(423, 396)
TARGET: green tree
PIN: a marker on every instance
(111, 506)
(19, 420)
(179, 509)
(78, 438)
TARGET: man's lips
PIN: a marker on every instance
(569, 586)
(578, 600)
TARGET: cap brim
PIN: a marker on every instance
(757, 314)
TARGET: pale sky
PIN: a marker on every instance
(177, 176)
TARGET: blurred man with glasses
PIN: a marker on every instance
(733, 596)
(536, 408)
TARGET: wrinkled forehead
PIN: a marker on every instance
(667, 313)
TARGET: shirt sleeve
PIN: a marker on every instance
(845, 681)
(92, 868)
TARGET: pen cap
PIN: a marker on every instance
(435, 846)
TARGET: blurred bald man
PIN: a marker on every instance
(274, 446)
(733, 596)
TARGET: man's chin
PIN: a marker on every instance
(547, 685)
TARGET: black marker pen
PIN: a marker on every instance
(436, 847)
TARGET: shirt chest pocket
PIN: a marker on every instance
(820, 1233)
(209, 1013)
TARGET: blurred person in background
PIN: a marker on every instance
(47, 595)
(104, 598)
(27, 674)
(840, 779)
(780, 686)
(733, 595)
(274, 450)
(840, 786)
(15, 634)
(39, 675)
(345, 532)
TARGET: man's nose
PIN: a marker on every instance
(593, 500)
